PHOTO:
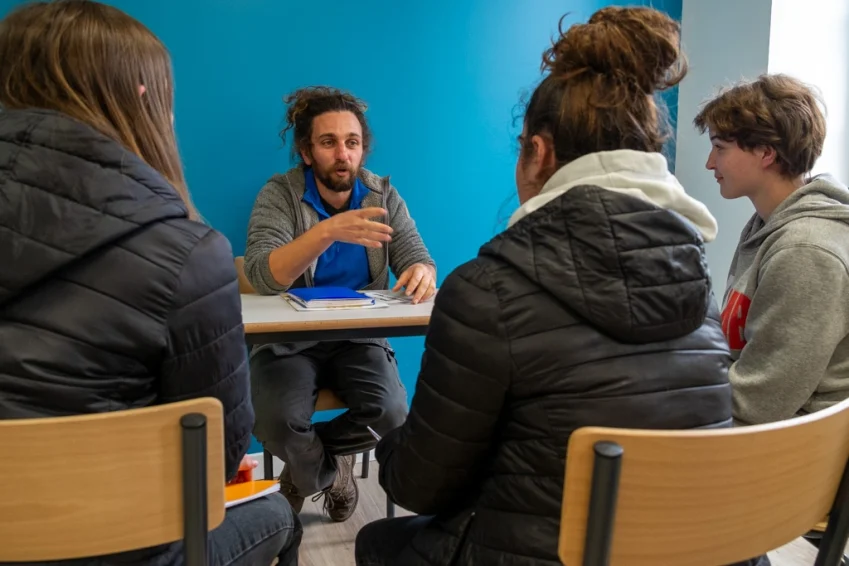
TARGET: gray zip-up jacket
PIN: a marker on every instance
(280, 215)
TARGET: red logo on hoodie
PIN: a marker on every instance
(734, 319)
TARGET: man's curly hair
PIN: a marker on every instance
(305, 104)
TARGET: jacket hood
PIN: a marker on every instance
(67, 190)
(824, 197)
(638, 174)
(630, 268)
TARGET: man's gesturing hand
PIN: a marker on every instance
(354, 227)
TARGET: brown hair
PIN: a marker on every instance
(88, 61)
(599, 94)
(305, 104)
(774, 111)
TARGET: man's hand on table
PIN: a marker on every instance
(419, 280)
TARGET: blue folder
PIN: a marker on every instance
(329, 296)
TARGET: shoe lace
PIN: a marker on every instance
(328, 493)
(328, 504)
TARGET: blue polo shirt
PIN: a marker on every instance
(342, 264)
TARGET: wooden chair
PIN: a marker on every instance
(112, 482)
(704, 498)
(327, 399)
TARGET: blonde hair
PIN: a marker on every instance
(90, 61)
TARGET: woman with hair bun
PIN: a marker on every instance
(594, 307)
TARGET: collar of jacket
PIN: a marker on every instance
(640, 174)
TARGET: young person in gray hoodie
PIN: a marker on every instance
(785, 311)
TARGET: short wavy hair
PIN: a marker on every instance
(776, 111)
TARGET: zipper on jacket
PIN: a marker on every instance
(386, 186)
(300, 229)
(461, 543)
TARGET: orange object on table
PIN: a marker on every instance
(242, 476)
(237, 493)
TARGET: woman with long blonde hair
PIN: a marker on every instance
(112, 295)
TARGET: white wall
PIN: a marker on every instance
(725, 40)
(810, 40)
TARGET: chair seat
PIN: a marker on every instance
(820, 527)
(327, 401)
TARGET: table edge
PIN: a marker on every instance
(336, 324)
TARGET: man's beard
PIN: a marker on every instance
(332, 181)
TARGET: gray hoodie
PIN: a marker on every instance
(786, 307)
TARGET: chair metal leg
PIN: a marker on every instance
(603, 496)
(195, 522)
(815, 538)
(267, 464)
(815, 541)
(390, 508)
(837, 530)
(366, 458)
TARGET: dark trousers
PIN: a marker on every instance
(383, 542)
(285, 388)
(251, 534)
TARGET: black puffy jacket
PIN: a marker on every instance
(110, 298)
(595, 309)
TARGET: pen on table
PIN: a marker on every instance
(374, 434)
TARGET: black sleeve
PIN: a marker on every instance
(437, 455)
(206, 354)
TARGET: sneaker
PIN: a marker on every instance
(340, 499)
(289, 491)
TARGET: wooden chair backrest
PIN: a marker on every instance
(79, 486)
(245, 287)
(709, 497)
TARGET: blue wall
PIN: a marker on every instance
(442, 78)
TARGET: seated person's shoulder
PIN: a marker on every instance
(381, 185)
(474, 275)
(188, 231)
(200, 247)
(375, 182)
(282, 187)
(823, 234)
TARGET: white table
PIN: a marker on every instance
(270, 319)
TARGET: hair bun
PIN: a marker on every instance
(638, 46)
